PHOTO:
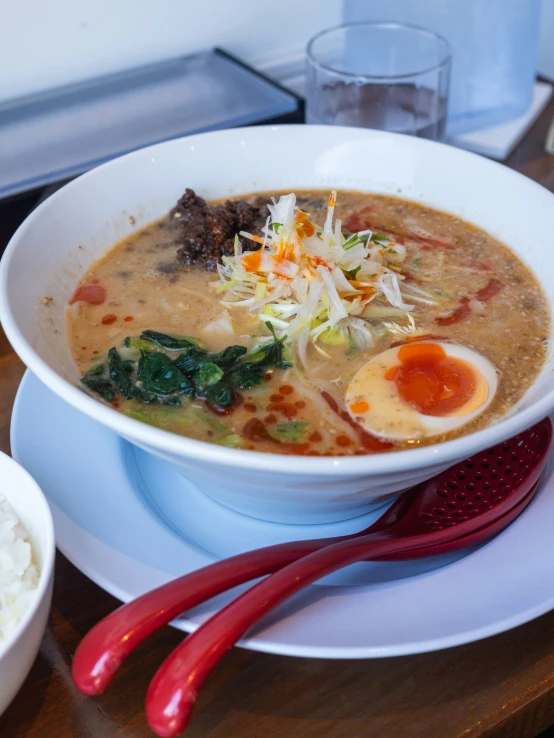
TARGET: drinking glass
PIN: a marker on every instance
(389, 76)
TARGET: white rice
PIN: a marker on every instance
(18, 573)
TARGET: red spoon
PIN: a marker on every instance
(165, 687)
(436, 517)
(108, 644)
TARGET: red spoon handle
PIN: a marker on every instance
(173, 690)
(109, 643)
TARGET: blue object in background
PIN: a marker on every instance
(494, 45)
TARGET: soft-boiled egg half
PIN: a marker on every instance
(421, 389)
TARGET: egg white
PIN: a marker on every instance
(391, 417)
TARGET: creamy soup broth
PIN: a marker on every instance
(483, 297)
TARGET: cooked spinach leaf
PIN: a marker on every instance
(207, 373)
(172, 401)
(172, 342)
(220, 394)
(247, 376)
(96, 381)
(158, 375)
(190, 360)
(228, 356)
(154, 377)
(251, 369)
(120, 373)
(96, 371)
(272, 354)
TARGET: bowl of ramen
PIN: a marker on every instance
(304, 320)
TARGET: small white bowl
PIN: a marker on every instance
(18, 653)
(70, 230)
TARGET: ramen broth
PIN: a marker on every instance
(471, 290)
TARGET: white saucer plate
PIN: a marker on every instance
(131, 523)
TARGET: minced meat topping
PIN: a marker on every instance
(207, 232)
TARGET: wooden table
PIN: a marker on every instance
(503, 686)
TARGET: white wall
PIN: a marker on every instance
(44, 43)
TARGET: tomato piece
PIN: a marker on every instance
(94, 294)
(491, 289)
(462, 312)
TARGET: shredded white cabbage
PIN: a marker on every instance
(314, 284)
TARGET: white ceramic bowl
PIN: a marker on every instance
(71, 229)
(19, 652)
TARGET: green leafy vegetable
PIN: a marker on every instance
(271, 354)
(172, 342)
(377, 237)
(141, 415)
(247, 376)
(292, 432)
(228, 356)
(220, 394)
(129, 353)
(159, 415)
(251, 369)
(96, 371)
(139, 343)
(96, 381)
(353, 272)
(354, 240)
(190, 360)
(158, 375)
(193, 358)
(142, 371)
(210, 420)
(353, 344)
(208, 373)
(233, 440)
(276, 227)
(120, 372)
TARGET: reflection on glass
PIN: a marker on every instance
(379, 75)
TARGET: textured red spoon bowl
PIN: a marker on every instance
(460, 495)
(497, 488)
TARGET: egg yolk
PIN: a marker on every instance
(431, 381)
